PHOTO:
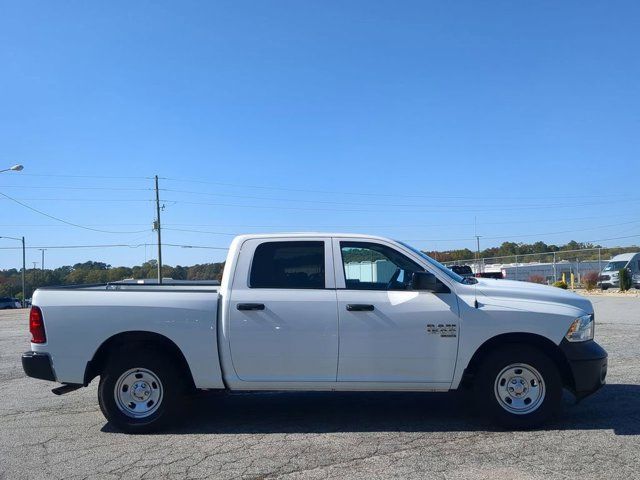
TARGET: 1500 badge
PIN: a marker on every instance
(442, 329)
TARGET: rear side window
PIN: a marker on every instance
(288, 265)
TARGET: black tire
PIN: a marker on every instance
(487, 390)
(156, 364)
(604, 287)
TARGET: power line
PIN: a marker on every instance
(446, 239)
(294, 200)
(84, 200)
(198, 231)
(613, 238)
(418, 208)
(207, 247)
(439, 209)
(330, 202)
(233, 234)
(40, 212)
(336, 192)
(60, 187)
(562, 231)
(69, 247)
(56, 225)
(114, 245)
(350, 225)
(262, 187)
(58, 175)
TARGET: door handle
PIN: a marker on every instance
(359, 307)
(250, 306)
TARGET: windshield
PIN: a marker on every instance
(611, 266)
(452, 275)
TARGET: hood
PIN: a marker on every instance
(531, 292)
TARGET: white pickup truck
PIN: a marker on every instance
(314, 311)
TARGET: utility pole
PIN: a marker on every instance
(478, 252)
(599, 260)
(24, 270)
(42, 250)
(34, 265)
(156, 226)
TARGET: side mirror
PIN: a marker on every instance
(427, 281)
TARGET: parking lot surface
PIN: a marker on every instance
(325, 435)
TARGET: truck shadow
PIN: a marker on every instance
(615, 407)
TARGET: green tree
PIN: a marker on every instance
(625, 279)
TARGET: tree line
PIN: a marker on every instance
(99, 272)
(511, 249)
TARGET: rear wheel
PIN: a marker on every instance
(139, 389)
(519, 387)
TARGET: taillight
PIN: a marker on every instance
(36, 326)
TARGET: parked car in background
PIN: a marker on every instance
(8, 302)
(489, 275)
(466, 272)
(462, 270)
(333, 312)
(609, 277)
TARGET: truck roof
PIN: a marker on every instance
(309, 234)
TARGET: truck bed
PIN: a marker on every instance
(79, 319)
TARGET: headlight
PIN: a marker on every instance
(581, 329)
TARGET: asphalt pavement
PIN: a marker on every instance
(325, 435)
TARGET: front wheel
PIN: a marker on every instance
(139, 390)
(519, 387)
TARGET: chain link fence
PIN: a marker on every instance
(551, 266)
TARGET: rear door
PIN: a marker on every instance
(388, 332)
(283, 319)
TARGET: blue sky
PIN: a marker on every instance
(414, 120)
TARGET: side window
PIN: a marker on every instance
(288, 265)
(371, 266)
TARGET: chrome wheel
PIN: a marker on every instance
(138, 392)
(519, 388)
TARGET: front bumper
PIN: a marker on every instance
(588, 364)
(38, 365)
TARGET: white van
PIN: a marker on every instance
(610, 273)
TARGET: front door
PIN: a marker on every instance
(388, 332)
(283, 323)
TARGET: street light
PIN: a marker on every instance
(18, 168)
(15, 168)
(24, 299)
